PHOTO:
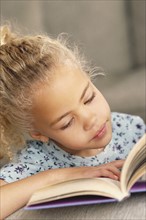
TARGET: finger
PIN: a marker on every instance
(114, 170)
(107, 173)
(117, 163)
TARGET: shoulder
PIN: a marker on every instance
(28, 161)
(126, 131)
(38, 152)
(127, 124)
(125, 119)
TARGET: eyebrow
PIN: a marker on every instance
(67, 113)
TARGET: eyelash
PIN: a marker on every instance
(90, 99)
(67, 125)
(87, 102)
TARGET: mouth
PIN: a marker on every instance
(101, 132)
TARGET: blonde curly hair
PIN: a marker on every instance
(24, 62)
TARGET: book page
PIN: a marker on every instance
(136, 176)
(97, 186)
(135, 160)
(136, 164)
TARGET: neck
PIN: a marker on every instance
(88, 153)
(82, 153)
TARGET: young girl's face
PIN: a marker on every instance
(71, 111)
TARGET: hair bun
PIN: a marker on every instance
(5, 35)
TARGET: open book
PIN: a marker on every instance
(104, 189)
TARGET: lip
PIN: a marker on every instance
(101, 132)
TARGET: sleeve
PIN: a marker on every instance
(127, 125)
(26, 162)
(137, 125)
(127, 130)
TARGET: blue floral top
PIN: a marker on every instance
(39, 156)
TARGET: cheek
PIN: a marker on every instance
(101, 103)
(73, 140)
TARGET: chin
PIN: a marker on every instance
(108, 136)
(107, 139)
(103, 142)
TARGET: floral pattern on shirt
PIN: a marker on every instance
(38, 156)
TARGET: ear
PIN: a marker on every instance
(39, 136)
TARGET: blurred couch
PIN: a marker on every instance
(111, 34)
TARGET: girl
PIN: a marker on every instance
(51, 108)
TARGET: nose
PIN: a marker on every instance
(89, 119)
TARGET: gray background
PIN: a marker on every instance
(111, 34)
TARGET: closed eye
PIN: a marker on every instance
(67, 125)
(90, 99)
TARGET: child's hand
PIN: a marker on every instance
(109, 170)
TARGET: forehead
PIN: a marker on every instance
(61, 94)
(67, 79)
